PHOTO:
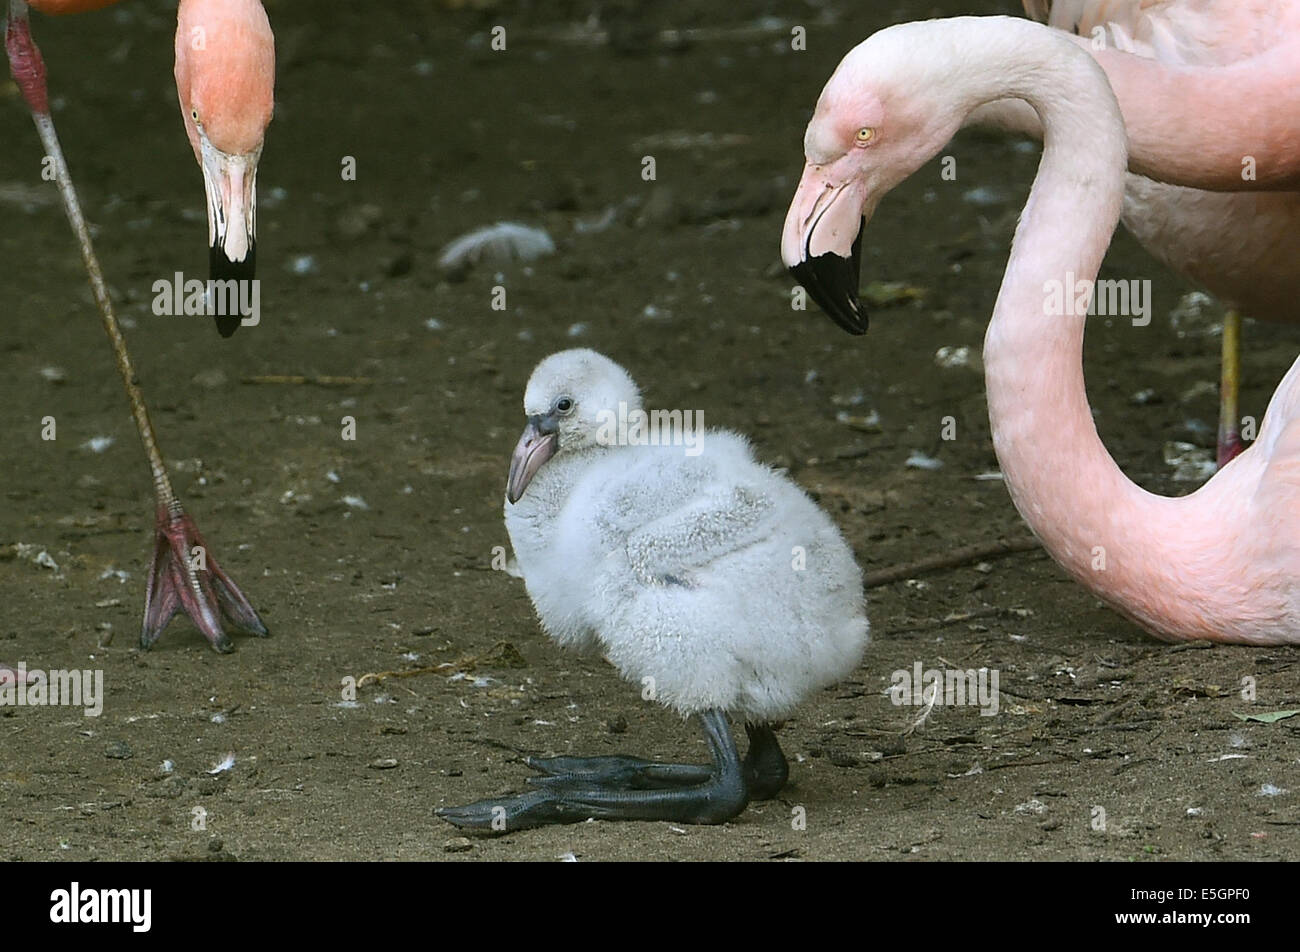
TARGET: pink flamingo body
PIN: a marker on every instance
(1202, 84)
(1219, 564)
(1240, 246)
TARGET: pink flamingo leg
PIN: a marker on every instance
(184, 575)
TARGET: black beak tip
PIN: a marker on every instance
(832, 281)
(221, 268)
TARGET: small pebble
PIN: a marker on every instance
(984, 195)
(119, 750)
(210, 379)
(950, 358)
(1191, 464)
(919, 460)
(303, 265)
(460, 844)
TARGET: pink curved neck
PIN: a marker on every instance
(1158, 560)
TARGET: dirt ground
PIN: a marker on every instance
(375, 555)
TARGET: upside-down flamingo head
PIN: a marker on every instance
(225, 80)
(874, 125)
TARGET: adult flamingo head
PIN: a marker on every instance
(877, 121)
(225, 80)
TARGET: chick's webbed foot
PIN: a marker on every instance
(766, 770)
(574, 789)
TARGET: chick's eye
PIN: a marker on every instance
(865, 135)
(563, 405)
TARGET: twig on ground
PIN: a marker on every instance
(955, 618)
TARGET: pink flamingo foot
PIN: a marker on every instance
(184, 576)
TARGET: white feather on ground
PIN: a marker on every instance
(496, 245)
(682, 569)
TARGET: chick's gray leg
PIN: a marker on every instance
(765, 768)
(721, 794)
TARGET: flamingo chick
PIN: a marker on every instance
(707, 578)
(1220, 564)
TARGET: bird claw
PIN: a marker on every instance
(184, 576)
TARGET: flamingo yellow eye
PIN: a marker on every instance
(194, 114)
(865, 135)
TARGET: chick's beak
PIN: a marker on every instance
(822, 245)
(536, 445)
